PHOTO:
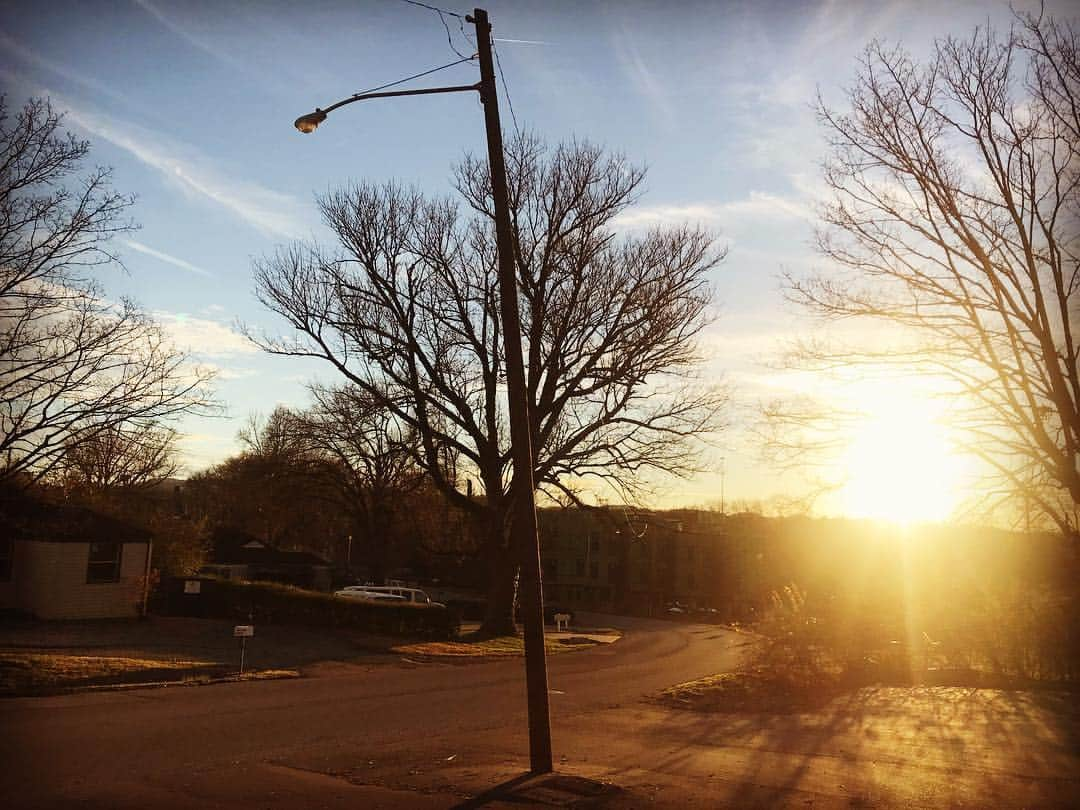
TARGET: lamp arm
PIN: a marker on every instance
(460, 88)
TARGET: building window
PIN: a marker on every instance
(594, 545)
(104, 562)
(594, 570)
(7, 551)
(579, 566)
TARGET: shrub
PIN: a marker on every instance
(272, 603)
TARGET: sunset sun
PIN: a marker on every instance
(900, 464)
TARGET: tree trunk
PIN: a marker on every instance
(501, 564)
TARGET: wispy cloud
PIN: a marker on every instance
(194, 41)
(203, 336)
(36, 60)
(139, 247)
(222, 373)
(270, 212)
(644, 78)
(757, 206)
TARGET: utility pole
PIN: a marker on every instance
(523, 534)
(523, 527)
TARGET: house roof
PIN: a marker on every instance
(236, 547)
(24, 517)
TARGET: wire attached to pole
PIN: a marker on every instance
(432, 8)
(506, 90)
(416, 75)
(442, 18)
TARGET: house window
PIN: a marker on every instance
(7, 551)
(104, 563)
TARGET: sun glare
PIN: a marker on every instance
(899, 465)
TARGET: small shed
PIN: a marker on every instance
(61, 561)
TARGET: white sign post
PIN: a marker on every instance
(243, 632)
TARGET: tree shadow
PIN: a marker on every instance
(869, 743)
(552, 789)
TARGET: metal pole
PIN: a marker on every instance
(523, 527)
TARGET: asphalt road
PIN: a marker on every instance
(439, 736)
(209, 746)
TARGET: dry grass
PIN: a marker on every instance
(754, 689)
(473, 645)
(29, 672)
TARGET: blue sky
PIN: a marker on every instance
(191, 103)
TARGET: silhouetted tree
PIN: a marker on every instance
(954, 219)
(71, 363)
(124, 457)
(406, 310)
(279, 489)
(375, 453)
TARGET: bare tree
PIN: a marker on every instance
(279, 488)
(130, 456)
(954, 220)
(406, 310)
(375, 453)
(71, 362)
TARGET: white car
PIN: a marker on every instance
(382, 593)
(361, 593)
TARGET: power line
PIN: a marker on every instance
(415, 76)
(442, 18)
(506, 90)
(432, 8)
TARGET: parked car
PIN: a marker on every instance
(361, 593)
(376, 593)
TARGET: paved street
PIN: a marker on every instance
(438, 735)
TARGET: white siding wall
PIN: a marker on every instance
(51, 581)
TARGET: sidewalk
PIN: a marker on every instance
(877, 747)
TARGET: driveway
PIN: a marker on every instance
(435, 735)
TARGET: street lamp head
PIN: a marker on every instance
(309, 123)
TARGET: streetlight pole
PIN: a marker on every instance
(524, 534)
(523, 527)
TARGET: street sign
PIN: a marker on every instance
(244, 631)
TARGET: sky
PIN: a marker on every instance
(192, 103)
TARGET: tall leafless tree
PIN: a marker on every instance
(71, 362)
(954, 219)
(375, 454)
(124, 457)
(406, 310)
